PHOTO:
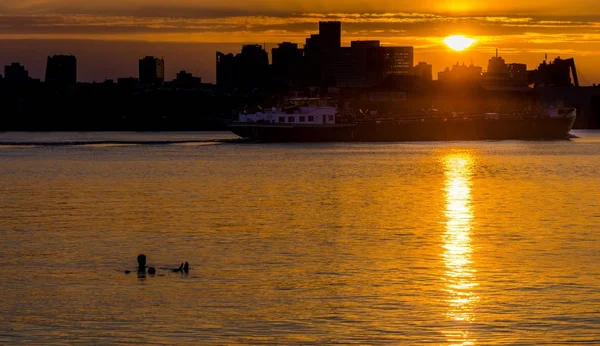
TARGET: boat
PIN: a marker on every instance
(305, 121)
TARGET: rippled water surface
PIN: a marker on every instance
(460, 243)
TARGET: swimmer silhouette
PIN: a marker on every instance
(141, 259)
(141, 268)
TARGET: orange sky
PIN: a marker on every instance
(523, 31)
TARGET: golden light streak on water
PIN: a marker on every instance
(460, 275)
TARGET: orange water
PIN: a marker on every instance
(463, 243)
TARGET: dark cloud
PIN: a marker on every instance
(379, 25)
(220, 8)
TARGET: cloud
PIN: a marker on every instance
(220, 8)
(298, 26)
(421, 24)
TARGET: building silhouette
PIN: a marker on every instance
(460, 73)
(15, 72)
(225, 63)
(371, 80)
(323, 62)
(313, 61)
(320, 52)
(499, 73)
(396, 60)
(287, 65)
(247, 70)
(61, 70)
(186, 80)
(555, 73)
(330, 41)
(151, 70)
(365, 64)
(330, 36)
(518, 73)
(424, 71)
(497, 68)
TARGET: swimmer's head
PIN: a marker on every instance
(141, 260)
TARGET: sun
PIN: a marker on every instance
(458, 42)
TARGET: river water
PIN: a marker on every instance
(455, 243)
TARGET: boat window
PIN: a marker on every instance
(330, 117)
(311, 118)
(302, 119)
(290, 119)
(282, 119)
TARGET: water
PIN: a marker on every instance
(462, 243)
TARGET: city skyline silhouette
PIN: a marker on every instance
(151, 99)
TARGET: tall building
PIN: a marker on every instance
(287, 65)
(247, 70)
(330, 41)
(397, 60)
(225, 67)
(517, 72)
(356, 66)
(330, 34)
(15, 72)
(499, 73)
(252, 67)
(151, 70)
(366, 63)
(350, 68)
(312, 47)
(313, 60)
(497, 68)
(61, 69)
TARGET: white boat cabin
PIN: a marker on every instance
(301, 112)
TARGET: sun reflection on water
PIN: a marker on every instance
(460, 275)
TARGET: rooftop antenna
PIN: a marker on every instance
(496, 52)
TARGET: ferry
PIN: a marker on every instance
(311, 120)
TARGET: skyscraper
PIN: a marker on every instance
(330, 34)
(330, 39)
(152, 70)
(247, 70)
(396, 60)
(313, 64)
(287, 64)
(225, 64)
(61, 69)
(366, 63)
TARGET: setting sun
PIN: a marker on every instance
(459, 42)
